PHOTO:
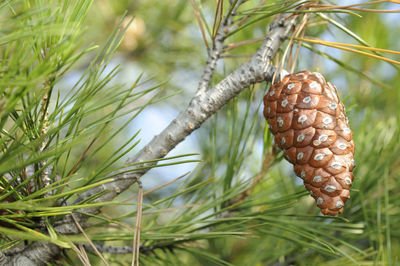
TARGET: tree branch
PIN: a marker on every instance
(215, 53)
(201, 107)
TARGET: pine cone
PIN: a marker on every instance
(309, 122)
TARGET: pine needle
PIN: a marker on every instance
(232, 46)
(81, 255)
(217, 18)
(89, 240)
(199, 20)
(342, 47)
(348, 45)
(353, 7)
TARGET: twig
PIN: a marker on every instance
(126, 249)
(109, 249)
(216, 51)
(201, 107)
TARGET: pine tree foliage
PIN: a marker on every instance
(242, 204)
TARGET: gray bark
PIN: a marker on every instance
(215, 53)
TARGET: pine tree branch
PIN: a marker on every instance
(258, 69)
(201, 107)
(126, 249)
(215, 53)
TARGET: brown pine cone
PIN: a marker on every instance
(309, 122)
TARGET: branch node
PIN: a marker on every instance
(170, 138)
(190, 126)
